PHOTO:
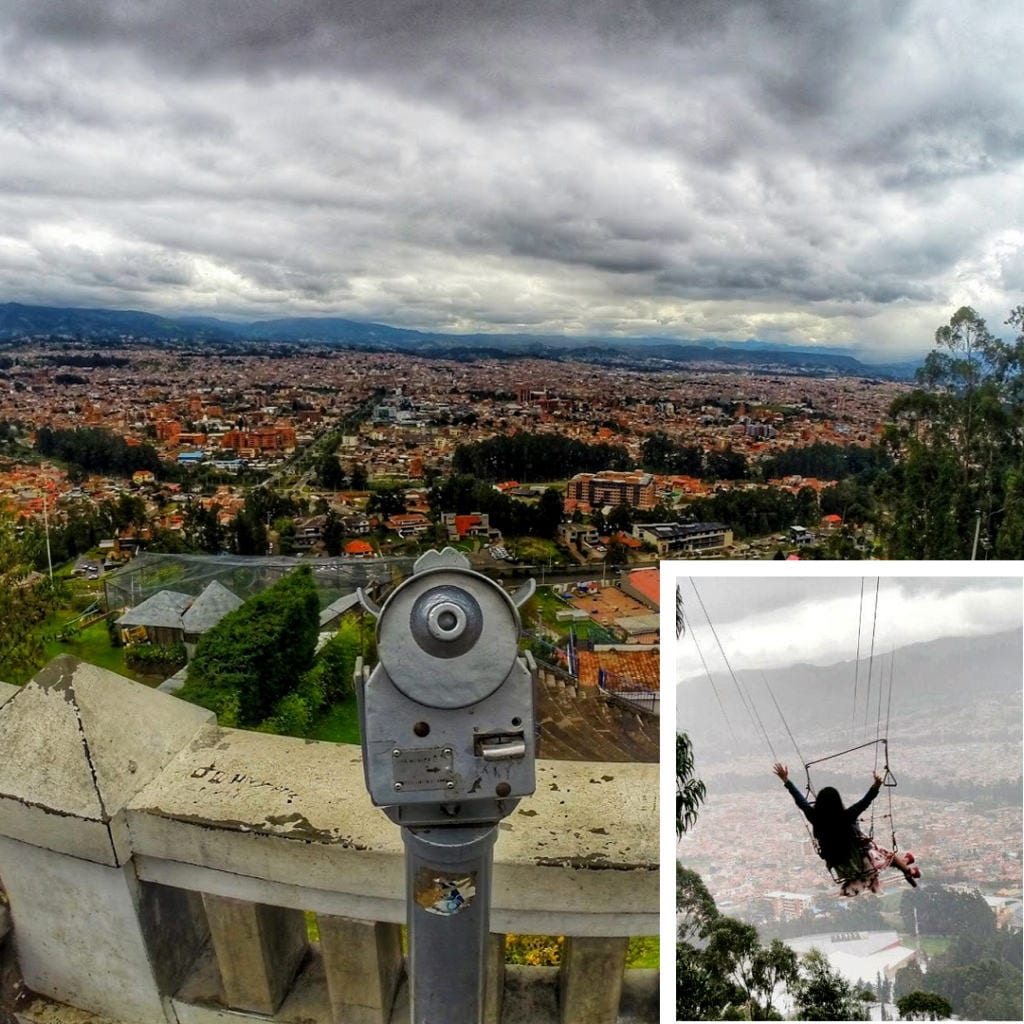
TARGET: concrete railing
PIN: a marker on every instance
(162, 869)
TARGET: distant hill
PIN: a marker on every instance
(20, 321)
(943, 677)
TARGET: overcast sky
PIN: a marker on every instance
(810, 172)
(773, 623)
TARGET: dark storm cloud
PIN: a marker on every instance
(812, 172)
(736, 600)
(771, 623)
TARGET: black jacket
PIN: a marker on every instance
(836, 847)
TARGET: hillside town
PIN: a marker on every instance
(396, 420)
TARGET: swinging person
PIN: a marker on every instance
(854, 857)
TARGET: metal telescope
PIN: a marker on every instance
(447, 720)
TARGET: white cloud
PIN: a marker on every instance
(771, 624)
(810, 173)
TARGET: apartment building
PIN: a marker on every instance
(636, 489)
(683, 538)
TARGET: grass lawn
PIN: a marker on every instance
(339, 724)
(548, 606)
(932, 945)
(91, 645)
(535, 549)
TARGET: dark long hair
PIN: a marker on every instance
(830, 825)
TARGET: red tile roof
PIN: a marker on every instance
(642, 668)
(648, 583)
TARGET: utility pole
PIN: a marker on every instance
(46, 527)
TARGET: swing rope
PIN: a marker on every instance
(744, 698)
(711, 680)
(881, 739)
(856, 664)
(871, 655)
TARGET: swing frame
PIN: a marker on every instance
(888, 781)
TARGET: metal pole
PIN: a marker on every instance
(448, 886)
(449, 745)
(46, 527)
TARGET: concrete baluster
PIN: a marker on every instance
(363, 963)
(259, 950)
(590, 979)
(494, 980)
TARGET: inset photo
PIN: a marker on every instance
(848, 793)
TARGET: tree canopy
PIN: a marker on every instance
(820, 993)
(24, 602)
(690, 791)
(980, 973)
(463, 494)
(724, 971)
(919, 1005)
(528, 456)
(959, 447)
(255, 655)
(97, 450)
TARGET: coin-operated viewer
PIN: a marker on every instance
(447, 721)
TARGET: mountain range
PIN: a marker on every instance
(22, 322)
(946, 677)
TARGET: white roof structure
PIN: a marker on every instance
(858, 956)
(209, 608)
(163, 609)
(338, 608)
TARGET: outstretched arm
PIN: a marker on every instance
(857, 809)
(801, 801)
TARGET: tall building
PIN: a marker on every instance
(635, 488)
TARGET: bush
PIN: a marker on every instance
(546, 950)
(155, 656)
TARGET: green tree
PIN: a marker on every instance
(549, 512)
(256, 654)
(690, 791)
(722, 969)
(919, 1005)
(338, 657)
(959, 446)
(333, 533)
(284, 527)
(25, 600)
(358, 477)
(621, 518)
(330, 474)
(694, 903)
(725, 465)
(702, 993)
(773, 965)
(820, 993)
(386, 502)
(202, 528)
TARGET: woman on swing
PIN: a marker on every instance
(854, 857)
